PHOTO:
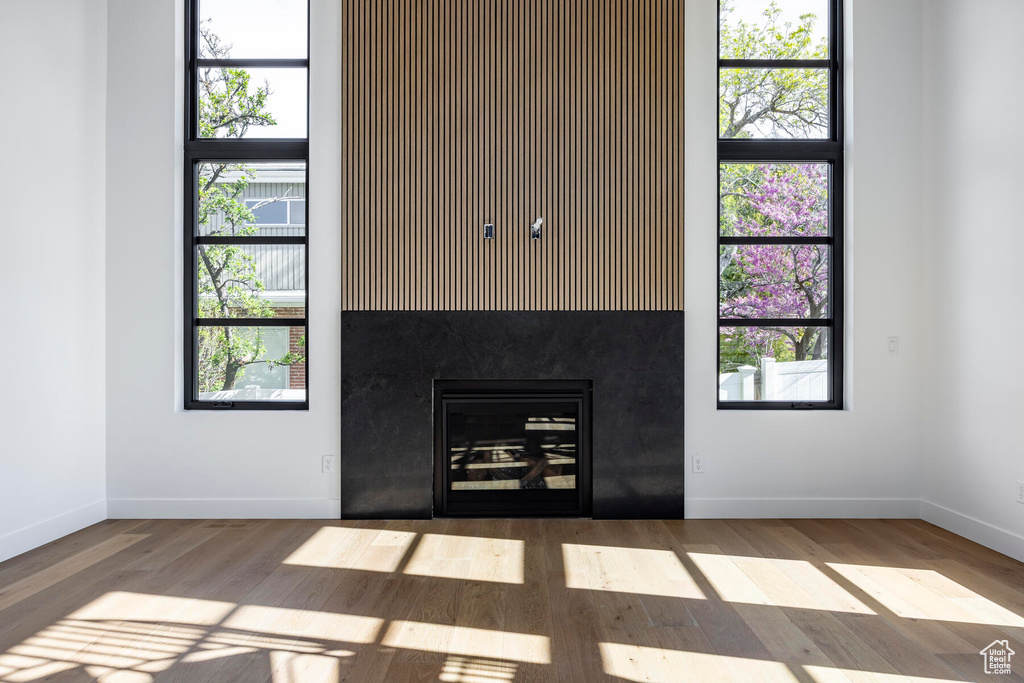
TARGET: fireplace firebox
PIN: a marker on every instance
(512, 448)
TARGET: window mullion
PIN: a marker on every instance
(779, 151)
(206, 63)
(793, 240)
(774, 63)
(776, 322)
(250, 322)
(253, 239)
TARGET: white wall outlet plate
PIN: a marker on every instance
(698, 463)
(327, 465)
(1020, 492)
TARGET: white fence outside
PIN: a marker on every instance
(254, 394)
(804, 380)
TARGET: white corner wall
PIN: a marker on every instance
(161, 460)
(862, 461)
(52, 449)
(974, 443)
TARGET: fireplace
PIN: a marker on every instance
(512, 448)
(632, 416)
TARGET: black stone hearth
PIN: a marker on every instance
(390, 359)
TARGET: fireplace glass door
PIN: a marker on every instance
(513, 454)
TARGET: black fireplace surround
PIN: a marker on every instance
(391, 359)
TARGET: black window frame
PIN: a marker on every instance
(236, 150)
(827, 150)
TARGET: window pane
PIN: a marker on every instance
(298, 212)
(773, 281)
(268, 211)
(246, 29)
(784, 29)
(251, 281)
(773, 364)
(774, 200)
(234, 197)
(252, 103)
(773, 103)
(251, 364)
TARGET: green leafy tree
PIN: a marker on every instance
(774, 103)
(229, 285)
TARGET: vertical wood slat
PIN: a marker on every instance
(463, 112)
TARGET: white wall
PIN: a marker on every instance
(863, 461)
(974, 175)
(162, 461)
(53, 339)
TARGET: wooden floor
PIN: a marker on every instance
(484, 601)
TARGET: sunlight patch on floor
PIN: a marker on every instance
(770, 581)
(958, 594)
(368, 550)
(138, 607)
(289, 667)
(19, 669)
(926, 594)
(636, 663)
(124, 636)
(469, 642)
(97, 646)
(728, 579)
(798, 583)
(458, 669)
(127, 631)
(122, 676)
(284, 622)
(468, 558)
(640, 571)
(210, 651)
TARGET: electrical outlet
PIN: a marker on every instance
(698, 463)
(327, 465)
(894, 346)
(1020, 491)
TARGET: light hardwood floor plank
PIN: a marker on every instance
(55, 573)
(39, 558)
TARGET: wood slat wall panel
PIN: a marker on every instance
(463, 112)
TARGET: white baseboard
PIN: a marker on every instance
(1000, 540)
(795, 508)
(41, 533)
(228, 508)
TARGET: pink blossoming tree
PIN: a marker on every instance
(776, 281)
